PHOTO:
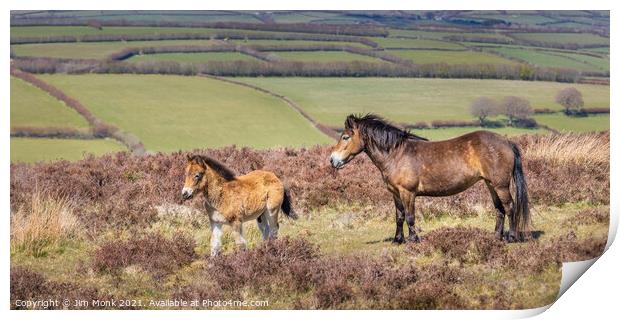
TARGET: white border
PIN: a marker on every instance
(593, 296)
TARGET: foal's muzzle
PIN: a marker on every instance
(187, 193)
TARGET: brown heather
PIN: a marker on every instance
(151, 252)
(27, 285)
(286, 266)
(120, 190)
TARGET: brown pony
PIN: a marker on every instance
(232, 200)
(412, 166)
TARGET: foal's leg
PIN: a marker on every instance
(272, 219)
(216, 238)
(507, 203)
(408, 199)
(263, 225)
(237, 232)
(400, 221)
(501, 213)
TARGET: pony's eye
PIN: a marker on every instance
(198, 176)
(345, 137)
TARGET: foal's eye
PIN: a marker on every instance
(345, 137)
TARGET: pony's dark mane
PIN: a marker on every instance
(380, 133)
(219, 167)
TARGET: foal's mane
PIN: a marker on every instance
(380, 133)
(217, 166)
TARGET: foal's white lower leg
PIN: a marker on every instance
(272, 219)
(216, 238)
(263, 225)
(237, 231)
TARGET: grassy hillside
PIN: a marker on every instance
(170, 113)
(323, 56)
(32, 107)
(450, 57)
(43, 149)
(578, 38)
(554, 59)
(330, 100)
(92, 50)
(571, 124)
(199, 57)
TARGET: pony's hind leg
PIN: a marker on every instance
(506, 199)
(216, 238)
(237, 233)
(501, 212)
(263, 225)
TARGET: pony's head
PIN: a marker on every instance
(195, 176)
(349, 145)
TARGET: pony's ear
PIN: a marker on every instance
(189, 157)
(350, 123)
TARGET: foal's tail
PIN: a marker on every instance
(286, 205)
(521, 214)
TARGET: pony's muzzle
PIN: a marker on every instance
(336, 162)
(187, 193)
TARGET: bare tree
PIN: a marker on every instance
(571, 99)
(516, 108)
(484, 107)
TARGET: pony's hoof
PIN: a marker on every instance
(414, 239)
(511, 238)
(398, 240)
(499, 236)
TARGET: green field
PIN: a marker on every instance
(573, 124)
(47, 31)
(554, 59)
(43, 149)
(32, 107)
(93, 50)
(416, 43)
(578, 38)
(323, 56)
(330, 100)
(170, 113)
(450, 57)
(198, 57)
(440, 34)
(447, 133)
(274, 42)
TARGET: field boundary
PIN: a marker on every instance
(322, 128)
(99, 128)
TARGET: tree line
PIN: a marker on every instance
(210, 35)
(321, 28)
(300, 68)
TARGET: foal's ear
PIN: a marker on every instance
(350, 122)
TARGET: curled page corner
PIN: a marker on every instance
(571, 271)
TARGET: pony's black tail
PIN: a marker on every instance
(521, 214)
(286, 205)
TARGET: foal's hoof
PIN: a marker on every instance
(398, 240)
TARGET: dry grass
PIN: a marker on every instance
(42, 223)
(583, 149)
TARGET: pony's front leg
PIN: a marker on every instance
(400, 221)
(408, 199)
(216, 238)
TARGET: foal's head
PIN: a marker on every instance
(349, 145)
(195, 180)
